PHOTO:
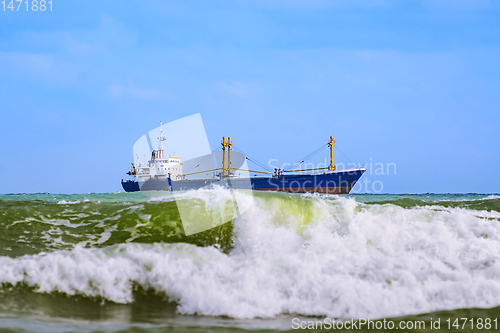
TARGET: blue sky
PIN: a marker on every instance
(415, 83)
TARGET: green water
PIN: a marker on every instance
(120, 262)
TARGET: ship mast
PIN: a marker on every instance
(160, 146)
(331, 143)
(227, 144)
(223, 156)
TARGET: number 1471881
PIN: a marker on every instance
(26, 5)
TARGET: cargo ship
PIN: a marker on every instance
(163, 173)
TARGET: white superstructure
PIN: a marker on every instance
(160, 167)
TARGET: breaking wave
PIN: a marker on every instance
(288, 254)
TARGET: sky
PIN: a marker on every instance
(415, 84)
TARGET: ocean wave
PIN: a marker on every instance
(30, 227)
(308, 255)
(488, 203)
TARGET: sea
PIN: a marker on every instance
(121, 262)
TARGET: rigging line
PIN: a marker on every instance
(257, 163)
(251, 159)
(262, 166)
(345, 156)
(317, 151)
(199, 162)
(312, 155)
(168, 150)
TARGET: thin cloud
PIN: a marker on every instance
(315, 4)
(120, 92)
(237, 89)
(42, 67)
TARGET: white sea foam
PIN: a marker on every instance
(74, 202)
(307, 255)
(64, 202)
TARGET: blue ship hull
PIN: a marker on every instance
(336, 182)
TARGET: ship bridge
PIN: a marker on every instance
(159, 166)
